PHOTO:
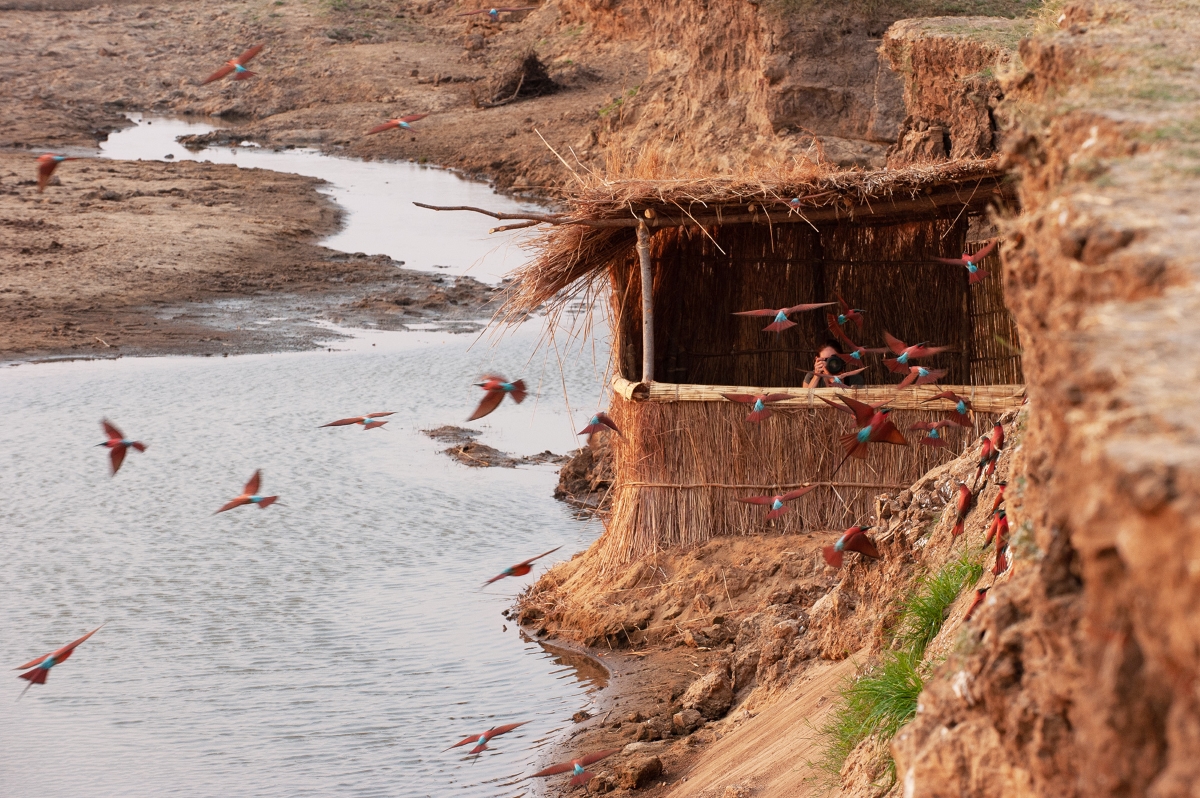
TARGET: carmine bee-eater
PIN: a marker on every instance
(987, 459)
(599, 423)
(368, 421)
(576, 767)
(853, 539)
(782, 322)
(999, 497)
(237, 66)
(998, 530)
(483, 737)
(117, 445)
(846, 314)
(919, 375)
(935, 437)
(520, 569)
(961, 406)
(962, 506)
(857, 354)
(496, 389)
(776, 502)
(494, 13)
(398, 122)
(1001, 560)
(759, 411)
(972, 261)
(838, 380)
(42, 665)
(250, 495)
(47, 163)
(998, 437)
(874, 426)
(980, 594)
(905, 353)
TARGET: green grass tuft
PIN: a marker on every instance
(877, 703)
(927, 607)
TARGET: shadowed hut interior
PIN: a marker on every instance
(715, 247)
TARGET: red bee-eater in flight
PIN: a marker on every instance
(777, 502)
(874, 427)
(484, 737)
(494, 13)
(250, 495)
(857, 354)
(118, 444)
(846, 314)
(961, 406)
(904, 353)
(853, 539)
(392, 124)
(368, 421)
(496, 388)
(576, 767)
(236, 66)
(962, 506)
(919, 375)
(934, 428)
(760, 411)
(971, 262)
(598, 423)
(980, 594)
(46, 165)
(520, 569)
(42, 665)
(782, 322)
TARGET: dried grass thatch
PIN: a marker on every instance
(680, 468)
(597, 230)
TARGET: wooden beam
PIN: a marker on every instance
(643, 249)
(984, 398)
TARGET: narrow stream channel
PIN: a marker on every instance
(333, 644)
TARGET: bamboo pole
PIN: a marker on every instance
(643, 249)
(984, 398)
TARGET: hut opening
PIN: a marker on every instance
(715, 247)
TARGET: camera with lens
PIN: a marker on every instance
(834, 364)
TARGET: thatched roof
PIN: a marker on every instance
(599, 223)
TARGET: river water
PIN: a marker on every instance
(332, 644)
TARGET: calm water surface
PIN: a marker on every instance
(376, 195)
(333, 644)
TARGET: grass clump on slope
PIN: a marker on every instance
(884, 698)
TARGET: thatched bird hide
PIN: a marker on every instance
(714, 247)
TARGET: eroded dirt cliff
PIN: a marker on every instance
(1084, 679)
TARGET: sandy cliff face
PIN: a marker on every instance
(1084, 681)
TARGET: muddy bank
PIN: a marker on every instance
(124, 258)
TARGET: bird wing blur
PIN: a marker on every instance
(341, 422)
(111, 431)
(862, 544)
(895, 344)
(491, 400)
(762, 312)
(809, 306)
(230, 66)
(253, 484)
(984, 251)
(466, 740)
(59, 654)
(863, 412)
(796, 494)
(757, 499)
(117, 456)
(395, 123)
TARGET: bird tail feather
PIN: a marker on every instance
(518, 393)
(268, 501)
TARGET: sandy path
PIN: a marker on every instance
(783, 733)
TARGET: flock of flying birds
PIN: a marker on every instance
(495, 389)
(872, 422)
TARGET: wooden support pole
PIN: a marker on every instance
(643, 249)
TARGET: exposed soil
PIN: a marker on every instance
(471, 452)
(756, 634)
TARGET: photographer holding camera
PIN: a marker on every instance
(828, 362)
